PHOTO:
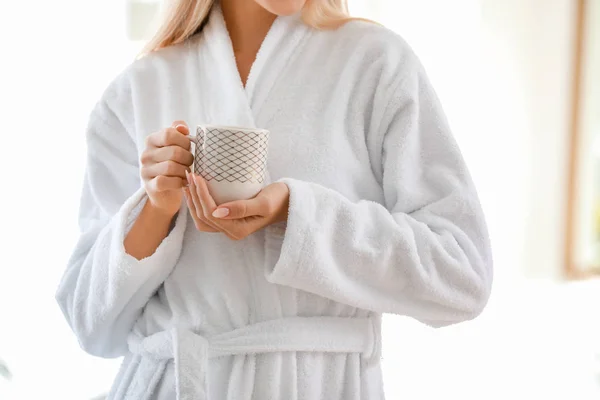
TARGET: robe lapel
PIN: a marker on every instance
(224, 97)
(277, 50)
(226, 101)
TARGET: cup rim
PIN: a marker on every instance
(233, 127)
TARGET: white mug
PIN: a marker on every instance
(232, 160)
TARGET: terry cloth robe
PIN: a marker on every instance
(383, 218)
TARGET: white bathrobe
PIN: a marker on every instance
(383, 218)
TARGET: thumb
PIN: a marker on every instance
(181, 127)
(240, 209)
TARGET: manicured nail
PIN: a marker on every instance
(220, 213)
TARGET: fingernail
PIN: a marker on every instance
(180, 126)
(220, 213)
(187, 175)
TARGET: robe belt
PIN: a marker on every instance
(191, 352)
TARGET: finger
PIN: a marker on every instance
(181, 126)
(242, 209)
(168, 137)
(206, 200)
(194, 195)
(197, 204)
(169, 153)
(200, 225)
(208, 205)
(165, 168)
(233, 229)
(163, 183)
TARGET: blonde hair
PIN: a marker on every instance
(184, 18)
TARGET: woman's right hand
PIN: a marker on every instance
(164, 163)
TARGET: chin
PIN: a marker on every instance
(282, 7)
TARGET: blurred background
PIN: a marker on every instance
(520, 82)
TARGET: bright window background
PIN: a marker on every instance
(502, 71)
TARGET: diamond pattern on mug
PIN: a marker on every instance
(231, 156)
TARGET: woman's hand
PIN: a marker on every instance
(165, 162)
(236, 219)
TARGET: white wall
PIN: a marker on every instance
(537, 35)
(588, 251)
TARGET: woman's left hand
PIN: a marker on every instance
(238, 219)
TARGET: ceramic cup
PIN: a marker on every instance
(232, 160)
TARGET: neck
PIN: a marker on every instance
(248, 24)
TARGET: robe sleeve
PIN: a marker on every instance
(104, 289)
(423, 253)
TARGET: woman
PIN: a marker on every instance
(371, 209)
